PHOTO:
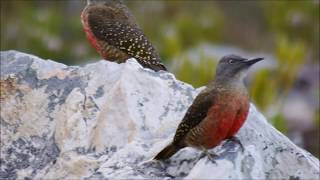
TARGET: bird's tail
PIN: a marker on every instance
(167, 152)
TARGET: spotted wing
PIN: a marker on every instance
(195, 114)
(128, 39)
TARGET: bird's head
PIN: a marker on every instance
(234, 68)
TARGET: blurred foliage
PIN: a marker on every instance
(262, 88)
(280, 122)
(317, 118)
(297, 20)
(287, 30)
(269, 85)
(41, 28)
(196, 73)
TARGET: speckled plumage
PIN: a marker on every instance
(113, 32)
(218, 112)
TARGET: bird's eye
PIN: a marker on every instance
(230, 61)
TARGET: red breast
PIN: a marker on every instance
(92, 39)
(240, 118)
(224, 119)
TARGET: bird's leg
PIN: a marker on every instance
(237, 140)
(210, 156)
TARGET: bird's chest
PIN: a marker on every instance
(90, 36)
(227, 108)
(224, 118)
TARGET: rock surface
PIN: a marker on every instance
(107, 120)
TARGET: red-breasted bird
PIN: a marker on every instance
(218, 112)
(113, 32)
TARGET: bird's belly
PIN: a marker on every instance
(93, 41)
(222, 122)
(238, 121)
(215, 132)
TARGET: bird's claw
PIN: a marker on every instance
(210, 156)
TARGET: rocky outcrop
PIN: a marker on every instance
(107, 120)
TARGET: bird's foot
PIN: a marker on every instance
(237, 140)
(210, 156)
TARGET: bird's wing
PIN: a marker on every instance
(125, 37)
(195, 114)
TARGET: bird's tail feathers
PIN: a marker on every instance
(167, 152)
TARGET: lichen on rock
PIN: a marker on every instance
(107, 120)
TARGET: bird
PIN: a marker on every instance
(218, 111)
(112, 30)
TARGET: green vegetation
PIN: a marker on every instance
(197, 73)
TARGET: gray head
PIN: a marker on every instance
(233, 68)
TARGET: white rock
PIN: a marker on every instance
(106, 120)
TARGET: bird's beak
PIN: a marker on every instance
(252, 61)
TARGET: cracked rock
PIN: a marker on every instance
(107, 120)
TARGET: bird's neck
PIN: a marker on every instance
(228, 84)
